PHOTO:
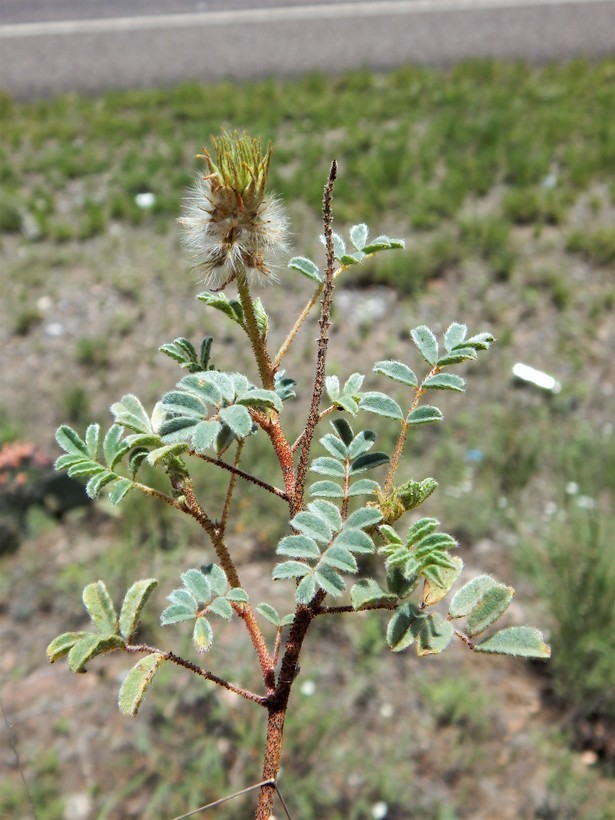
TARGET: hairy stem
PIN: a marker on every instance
(265, 368)
(323, 341)
(272, 427)
(172, 502)
(277, 706)
(173, 658)
(258, 641)
(217, 538)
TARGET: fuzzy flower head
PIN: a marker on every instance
(230, 225)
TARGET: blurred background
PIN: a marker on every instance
(483, 134)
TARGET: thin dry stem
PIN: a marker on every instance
(297, 326)
(198, 670)
(241, 474)
(244, 611)
(321, 416)
(403, 433)
(231, 487)
(172, 502)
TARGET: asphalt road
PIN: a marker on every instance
(52, 46)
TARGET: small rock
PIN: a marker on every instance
(78, 806)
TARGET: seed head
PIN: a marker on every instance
(230, 225)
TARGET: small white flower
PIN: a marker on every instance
(380, 810)
(307, 688)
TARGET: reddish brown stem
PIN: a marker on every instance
(173, 658)
(323, 342)
(241, 474)
(258, 641)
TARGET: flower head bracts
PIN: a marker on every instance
(230, 226)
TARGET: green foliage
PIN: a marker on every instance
(137, 682)
(81, 459)
(205, 591)
(336, 533)
(326, 547)
(573, 571)
(183, 352)
(349, 456)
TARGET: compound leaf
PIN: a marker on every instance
(307, 268)
(424, 415)
(62, 645)
(89, 648)
(367, 592)
(269, 613)
(289, 569)
(298, 546)
(445, 381)
(465, 599)
(454, 336)
(381, 405)
(202, 634)
(402, 628)
(197, 585)
(358, 236)
(434, 634)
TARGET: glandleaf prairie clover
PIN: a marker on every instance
(352, 540)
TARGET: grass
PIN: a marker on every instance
(445, 137)
(573, 569)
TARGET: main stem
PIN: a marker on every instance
(278, 702)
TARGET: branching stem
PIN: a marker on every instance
(217, 537)
(173, 658)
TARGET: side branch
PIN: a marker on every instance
(203, 673)
(246, 476)
(323, 340)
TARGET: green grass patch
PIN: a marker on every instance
(417, 141)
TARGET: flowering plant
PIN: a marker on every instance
(343, 525)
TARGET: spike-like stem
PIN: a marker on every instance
(323, 340)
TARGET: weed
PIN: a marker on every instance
(76, 404)
(596, 245)
(26, 319)
(92, 351)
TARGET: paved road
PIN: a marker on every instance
(51, 46)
